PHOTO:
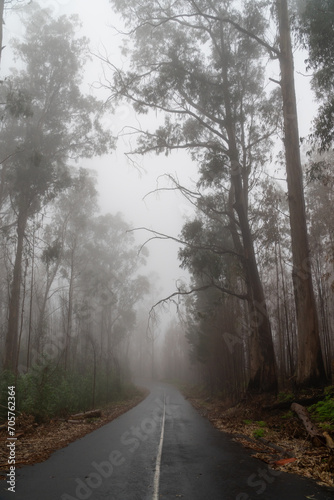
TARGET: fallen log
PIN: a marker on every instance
(275, 447)
(329, 441)
(86, 414)
(330, 445)
(283, 405)
(317, 436)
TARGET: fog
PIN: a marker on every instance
(125, 182)
(139, 187)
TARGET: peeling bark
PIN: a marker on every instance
(310, 371)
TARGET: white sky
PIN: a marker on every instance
(121, 186)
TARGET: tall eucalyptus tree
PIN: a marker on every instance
(48, 122)
(207, 77)
(185, 59)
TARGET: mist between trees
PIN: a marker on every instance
(71, 278)
(257, 313)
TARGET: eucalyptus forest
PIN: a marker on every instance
(78, 309)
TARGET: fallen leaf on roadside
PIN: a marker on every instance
(284, 461)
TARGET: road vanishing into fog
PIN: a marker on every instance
(161, 449)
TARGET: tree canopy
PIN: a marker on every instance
(316, 25)
(47, 123)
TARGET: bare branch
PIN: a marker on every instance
(276, 81)
(194, 197)
(181, 293)
(161, 236)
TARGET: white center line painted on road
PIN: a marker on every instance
(158, 462)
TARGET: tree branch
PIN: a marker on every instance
(161, 236)
(203, 288)
(181, 19)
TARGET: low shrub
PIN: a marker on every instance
(323, 411)
(258, 433)
(47, 391)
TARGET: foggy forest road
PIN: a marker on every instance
(161, 449)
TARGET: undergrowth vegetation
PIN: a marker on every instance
(323, 411)
(47, 391)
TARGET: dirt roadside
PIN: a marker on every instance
(276, 436)
(35, 442)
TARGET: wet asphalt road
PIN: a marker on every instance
(161, 449)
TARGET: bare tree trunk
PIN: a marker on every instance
(263, 376)
(286, 314)
(280, 328)
(69, 312)
(324, 316)
(41, 320)
(310, 369)
(22, 318)
(94, 376)
(31, 299)
(2, 5)
(11, 347)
